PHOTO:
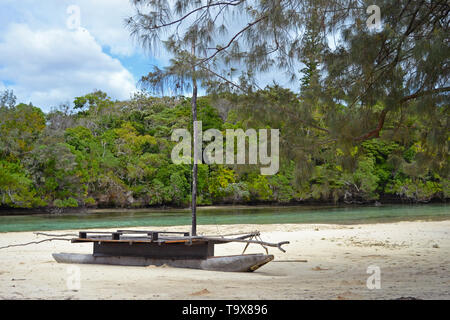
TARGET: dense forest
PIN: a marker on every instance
(105, 153)
(367, 120)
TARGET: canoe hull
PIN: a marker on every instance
(236, 263)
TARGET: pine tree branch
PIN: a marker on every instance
(207, 6)
(376, 132)
(306, 123)
(419, 94)
(249, 25)
(223, 78)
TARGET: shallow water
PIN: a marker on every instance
(226, 215)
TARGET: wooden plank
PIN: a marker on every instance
(154, 250)
(99, 232)
(153, 231)
(161, 241)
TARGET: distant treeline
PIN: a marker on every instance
(105, 153)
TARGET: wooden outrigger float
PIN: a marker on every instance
(175, 249)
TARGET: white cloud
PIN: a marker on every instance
(48, 67)
(103, 18)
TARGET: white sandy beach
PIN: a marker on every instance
(413, 259)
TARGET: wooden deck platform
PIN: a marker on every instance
(148, 244)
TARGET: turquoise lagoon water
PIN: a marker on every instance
(225, 215)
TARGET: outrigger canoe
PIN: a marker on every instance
(174, 249)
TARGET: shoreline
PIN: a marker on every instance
(301, 204)
(414, 259)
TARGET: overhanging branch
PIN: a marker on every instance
(207, 6)
(220, 49)
(419, 94)
(381, 120)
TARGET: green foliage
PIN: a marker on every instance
(7, 99)
(365, 180)
(16, 188)
(416, 190)
(20, 126)
(259, 188)
(282, 187)
(219, 181)
(66, 203)
(121, 157)
(95, 101)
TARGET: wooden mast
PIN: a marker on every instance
(196, 155)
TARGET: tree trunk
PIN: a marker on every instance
(194, 167)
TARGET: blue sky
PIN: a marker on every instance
(47, 60)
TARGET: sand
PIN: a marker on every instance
(413, 260)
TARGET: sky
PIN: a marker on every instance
(48, 55)
(52, 51)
